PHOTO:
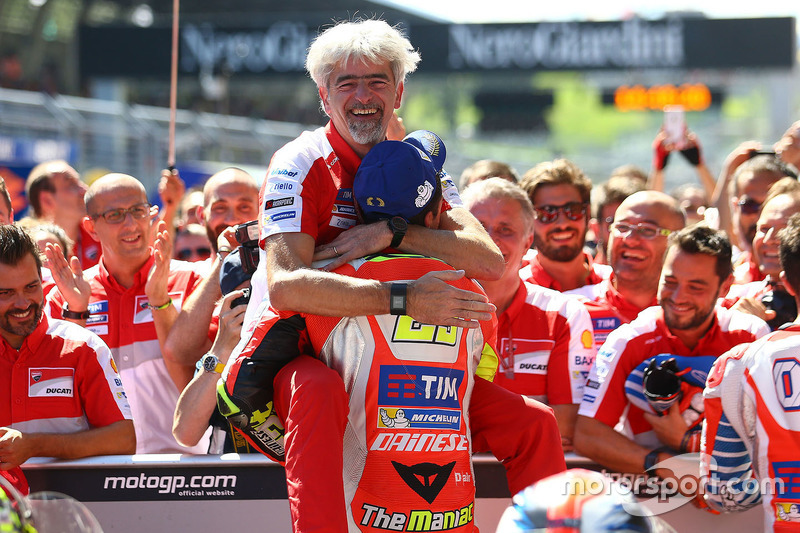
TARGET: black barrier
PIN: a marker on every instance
(231, 477)
(131, 494)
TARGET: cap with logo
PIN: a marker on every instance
(395, 179)
(431, 144)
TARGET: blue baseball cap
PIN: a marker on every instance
(231, 273)
(431, 144)
(395, 178)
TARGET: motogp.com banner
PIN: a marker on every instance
(250, 482)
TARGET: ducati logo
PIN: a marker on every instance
(36, 375)
(426, 479)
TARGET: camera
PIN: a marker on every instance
(782, 303)
(247, 237)
(243, 299)
(247, 233)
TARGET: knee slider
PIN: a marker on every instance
(250, 410)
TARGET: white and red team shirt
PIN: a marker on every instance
(648, 335)
(608, 309)
(544, 346)
(752, 429)
(533, 272)
(754, 289)
(122, 319)
(61, 380)
(408, 446)
(309, 189)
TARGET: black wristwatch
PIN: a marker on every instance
(209, 363)
(397, 298)
(651, 458)
(399, 227)
(73, 315)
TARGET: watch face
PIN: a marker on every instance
(398, 224)
(210, 363)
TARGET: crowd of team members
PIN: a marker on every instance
(598, 294)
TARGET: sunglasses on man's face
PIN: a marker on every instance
(197, 254)
(547, 214)
(748, 206)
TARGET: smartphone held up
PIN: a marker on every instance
(675, 126)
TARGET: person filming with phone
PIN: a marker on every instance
(675, 136)
(197, 406)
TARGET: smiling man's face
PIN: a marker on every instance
(21, 300)
(562, 239)
(360, 99)
(635, 259)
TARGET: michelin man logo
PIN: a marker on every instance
(425, 191)
(399, 420)
(792, 514)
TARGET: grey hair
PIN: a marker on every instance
(365, 40)
(499, 188)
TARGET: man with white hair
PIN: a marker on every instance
(306, 206)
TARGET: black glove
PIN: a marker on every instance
(692, 155)
(662, 385)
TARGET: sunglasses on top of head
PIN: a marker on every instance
(547, 214)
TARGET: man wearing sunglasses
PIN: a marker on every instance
(191, 244)
(767, 298)
(637, 243)
(560, 193)
(749, 187)
(130, 299)
(687, 322)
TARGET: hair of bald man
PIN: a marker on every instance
(106, 183)
(237, 174)
(657, 197)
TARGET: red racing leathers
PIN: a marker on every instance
(308, 189)
(407, 451)
(752, 430)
